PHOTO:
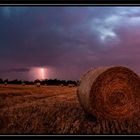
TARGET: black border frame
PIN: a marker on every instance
(69, 3)
(105, 2)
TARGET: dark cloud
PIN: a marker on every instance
(15, 70)
(21, 70)
(68, 40)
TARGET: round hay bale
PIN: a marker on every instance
(5, 83)
(38, 84)
(70, 85)
(61, 85)
(110, 93)
(23, 84)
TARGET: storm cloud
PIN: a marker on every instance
(68, 40)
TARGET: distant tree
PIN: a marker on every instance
(64, 82)
(6, 81)
(36, 81)
(15, 81)
(71, 82)
(1, 81)
(42, 82)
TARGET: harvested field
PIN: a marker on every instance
(52, 110)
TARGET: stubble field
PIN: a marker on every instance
(52, 110)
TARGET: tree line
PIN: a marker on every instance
(42, 82)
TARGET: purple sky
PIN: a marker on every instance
(67, 41)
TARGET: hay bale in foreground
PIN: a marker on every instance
(110, 93)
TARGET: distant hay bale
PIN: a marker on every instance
(23, 84)
(71, 85)
(38, 84)
(110, 93)
(61, 85)
(5, 83)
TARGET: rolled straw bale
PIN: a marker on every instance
(23, 84)
(5, 83)
(38, 84)
(110, 92)
(61, 85)
(70, 85)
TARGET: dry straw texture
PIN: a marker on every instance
(110, 93)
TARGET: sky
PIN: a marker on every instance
(64, 42)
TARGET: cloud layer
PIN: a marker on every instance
(69, 40)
